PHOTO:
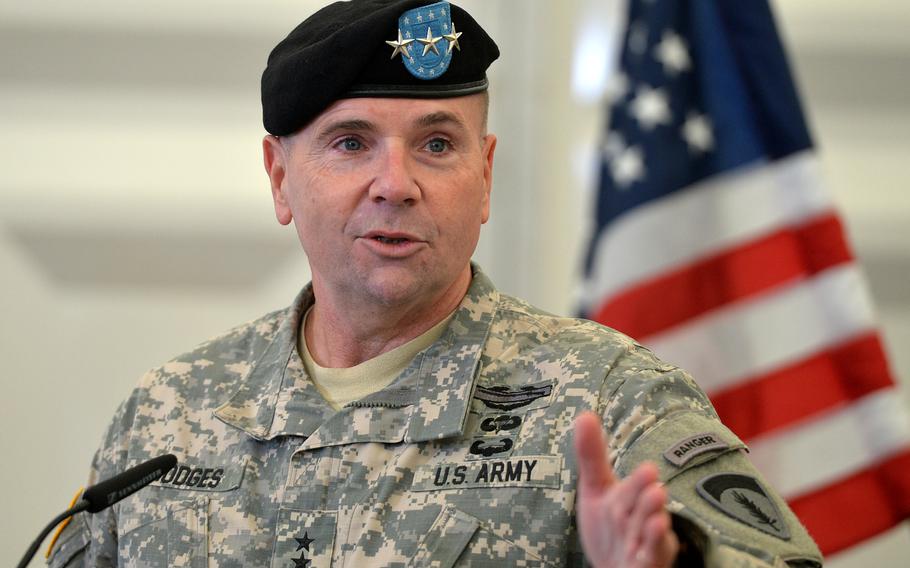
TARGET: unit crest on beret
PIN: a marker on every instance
(420, 31)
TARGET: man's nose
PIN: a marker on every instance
(394, 182)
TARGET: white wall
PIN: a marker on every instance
(135, 219)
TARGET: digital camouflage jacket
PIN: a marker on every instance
(464, 460)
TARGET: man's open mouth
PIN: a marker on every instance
(390, 240)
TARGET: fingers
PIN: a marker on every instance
(647, 506)
(659, 545)
(594, 469)
(634, 488)
(621, 522)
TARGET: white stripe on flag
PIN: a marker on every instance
(711, 216)
(731, 345)
(818, 452)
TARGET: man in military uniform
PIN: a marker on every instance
(403, 412)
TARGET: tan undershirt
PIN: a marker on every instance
(344, 385)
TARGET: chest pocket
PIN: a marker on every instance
(164, 533)
(458, 539)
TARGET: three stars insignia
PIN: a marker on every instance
(429, 43)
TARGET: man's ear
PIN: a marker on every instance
(489, 149)
(274, 157)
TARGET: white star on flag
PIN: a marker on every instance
(650, 107)
(697, 133)
(672, 53)
(628, 167)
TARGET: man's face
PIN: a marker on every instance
(387, 195)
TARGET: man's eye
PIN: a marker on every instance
(438, 145)
(351, 144)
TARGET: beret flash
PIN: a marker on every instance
(373, 48)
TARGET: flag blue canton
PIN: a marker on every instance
(704, 87)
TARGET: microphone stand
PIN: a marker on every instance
(82, 505)
(102, 495)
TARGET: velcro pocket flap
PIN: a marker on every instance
(447, 538)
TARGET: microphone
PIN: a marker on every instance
(104, 494)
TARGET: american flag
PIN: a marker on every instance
(716, 245)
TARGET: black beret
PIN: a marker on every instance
(348, 49)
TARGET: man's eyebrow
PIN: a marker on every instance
(354, 124)
(439, 117)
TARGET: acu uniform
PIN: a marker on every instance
(464, 460)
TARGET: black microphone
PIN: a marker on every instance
(102, 495)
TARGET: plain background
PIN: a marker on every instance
(135, 218)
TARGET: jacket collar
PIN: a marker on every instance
(428, 401)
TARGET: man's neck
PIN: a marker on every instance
(341, 333)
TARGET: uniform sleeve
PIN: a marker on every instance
(724, 511)
(90, 540)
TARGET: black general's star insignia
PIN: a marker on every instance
(301, 562)
(304, 542)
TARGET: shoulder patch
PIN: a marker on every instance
(743, 498)
(502, 397)
(689, 447)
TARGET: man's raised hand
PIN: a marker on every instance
(622, 522)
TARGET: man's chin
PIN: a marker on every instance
(395, 286)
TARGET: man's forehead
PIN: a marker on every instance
(377, 112)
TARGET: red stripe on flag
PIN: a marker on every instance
(657, 304)
(859, 507)
(826, 380)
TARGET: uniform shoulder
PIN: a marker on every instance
(519, 316)
(214, 365)
(591, 349)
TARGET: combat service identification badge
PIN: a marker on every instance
(426, 40)
(743, 498)
(506, 398)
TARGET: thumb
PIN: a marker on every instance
(591, 452)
